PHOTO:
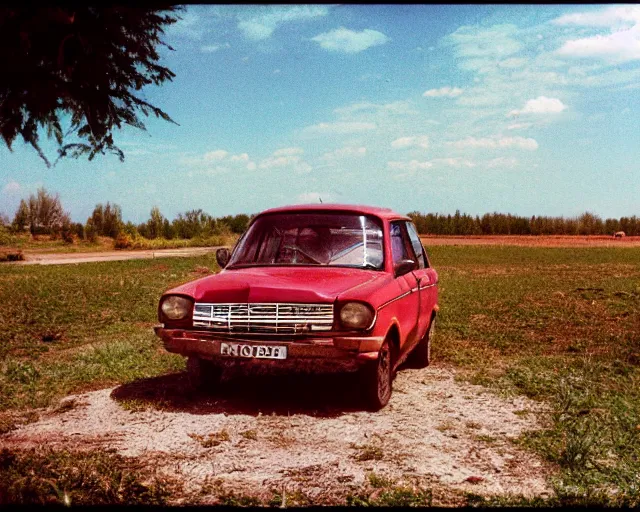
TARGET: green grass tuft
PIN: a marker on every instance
(77, 478)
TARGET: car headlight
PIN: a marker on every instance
(175, 307)
(356, 315)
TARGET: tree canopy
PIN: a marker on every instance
(81, 63)
(41, 213)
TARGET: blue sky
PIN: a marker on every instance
(532, 110)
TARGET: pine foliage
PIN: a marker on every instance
(79, 65)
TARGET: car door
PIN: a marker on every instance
(426, 279)
(407, 305)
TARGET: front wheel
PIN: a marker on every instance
(421, 355)
(202, 374)
(377, 379)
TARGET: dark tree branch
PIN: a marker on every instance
(84, 62)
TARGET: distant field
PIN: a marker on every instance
(559, 325)
(533, 240)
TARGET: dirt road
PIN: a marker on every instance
(86, 257)
(257, 434)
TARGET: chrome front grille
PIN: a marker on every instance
(275, 318)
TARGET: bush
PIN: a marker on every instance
(11, 255)
(130, 229)
(67, 236)
(90, 232)
(123, 241)
(5, 237)
(78, 229)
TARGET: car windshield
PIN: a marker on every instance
(338, 240)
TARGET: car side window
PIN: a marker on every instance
(417, 245)
(398, 247)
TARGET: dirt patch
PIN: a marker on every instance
(308, 434)
(58, 258)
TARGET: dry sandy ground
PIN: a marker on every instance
(307, 433)
(539, 241)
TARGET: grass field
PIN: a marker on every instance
(560, 325)
(563, 326)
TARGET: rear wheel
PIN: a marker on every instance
(377, 379)
(202, 374)
(421, 355)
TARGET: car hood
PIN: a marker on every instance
(278, 284)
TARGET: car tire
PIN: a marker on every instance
(421, 355)
(377, 379)
(202, 374)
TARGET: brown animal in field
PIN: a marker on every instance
(619, 234)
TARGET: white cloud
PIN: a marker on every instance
(454, 162)
(11, 188)
(601, 18)
(280, 161)
(346, 152)
(260, 23)
(449, 92)
(512, 63)
(541, 105)
(255, 30)
(287, 161)
(244, 157)
(218, 162)
(217, 155)
(496, 143)
(288, 152)
(339, 128)
(412, 166)
(540, 84)
(419, 141)
(211, 48)
(349, 41)
(188, 27)
(313, 197)
(620, 46)
(396, 107)
(519, 126)
(470, 42)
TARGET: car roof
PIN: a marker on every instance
(383, 213)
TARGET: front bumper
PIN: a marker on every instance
(338, 353)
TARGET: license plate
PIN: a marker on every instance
(253, 351)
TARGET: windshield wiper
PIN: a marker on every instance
(369, 265)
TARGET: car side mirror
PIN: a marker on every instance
(404, 267)
(222, 256)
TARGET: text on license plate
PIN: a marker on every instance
(259, 351)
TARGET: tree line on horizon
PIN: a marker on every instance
(42, 214)
(507, 224)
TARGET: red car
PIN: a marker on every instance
(319, 288)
